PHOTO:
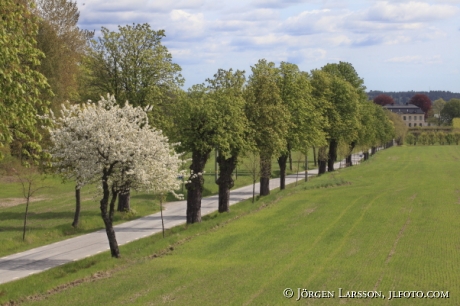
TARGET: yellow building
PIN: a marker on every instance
(411, 115)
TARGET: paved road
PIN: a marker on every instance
(40, 259)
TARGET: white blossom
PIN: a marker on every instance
(91, 137)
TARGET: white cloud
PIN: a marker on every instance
(416, 59)
(409, 12)
(204, 35)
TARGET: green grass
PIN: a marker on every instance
(388, 224)
(49, 220)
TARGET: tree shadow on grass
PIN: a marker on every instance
(46, 215)
(18, 228)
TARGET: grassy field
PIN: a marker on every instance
(51, 214)
(390, 224)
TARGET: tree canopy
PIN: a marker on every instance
(268, 116)
(63, 44)
(421, 101)
(132, 64)
(117, 145)
(384, 100)
(450, 111)
(21, 84)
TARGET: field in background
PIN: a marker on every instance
(390, 224)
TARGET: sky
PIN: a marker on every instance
(394, 45)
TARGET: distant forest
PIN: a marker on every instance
(403, 97)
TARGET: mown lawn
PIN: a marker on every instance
(390, 224)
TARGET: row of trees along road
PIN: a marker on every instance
(272, 112)
(277, 110)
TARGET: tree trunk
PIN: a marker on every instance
(332, 156)
(373, 150)
(195, 187)
(322, 160)
(25, 216)
(108, 216)
(348, 160)
(76, 217)
(306, 167)
(265, 172)
(290, 159)
(366, 155)
(225, 181)
(282, 160)
(124, 201)
(314, 157)
(253, 190)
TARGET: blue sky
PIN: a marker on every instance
(394, 45)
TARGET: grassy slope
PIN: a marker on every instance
(49, 220)
(393, 228)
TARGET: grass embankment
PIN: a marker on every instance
(389, 224)
(52, 210)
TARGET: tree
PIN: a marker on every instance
(348, 109)
(231, 138)
(450, 111)
(367, 132)
(340, 102)
(384, 100)
(252, 164)
(21, 84)
(399, 126)
(438, 105)
(421, 101)
(384, 127)
(305, 125)
(268, 117)
(30, 185)
(63, 44)
(196, 124)
(133, 64)
(116, 145)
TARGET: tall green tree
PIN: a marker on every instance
(347, 72)
(134, 65)
(306, 123)
(268, 117)
(399, 126)
(367, 132)
(64, 44)
(231, 138)
(450, 111)
(21, 84)
(340, 102)
(196, 124)
(384, 126)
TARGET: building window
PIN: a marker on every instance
(404, 117)
(420, 117)
(409, 123)
(420, 124)
(410, 117)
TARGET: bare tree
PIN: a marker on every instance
(252, 164)
(30, 182)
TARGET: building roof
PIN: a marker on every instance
(404, 109)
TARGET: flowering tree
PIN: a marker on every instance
(115, 144)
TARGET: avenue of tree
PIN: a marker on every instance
(125, 141)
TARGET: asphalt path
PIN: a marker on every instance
(36, 260)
